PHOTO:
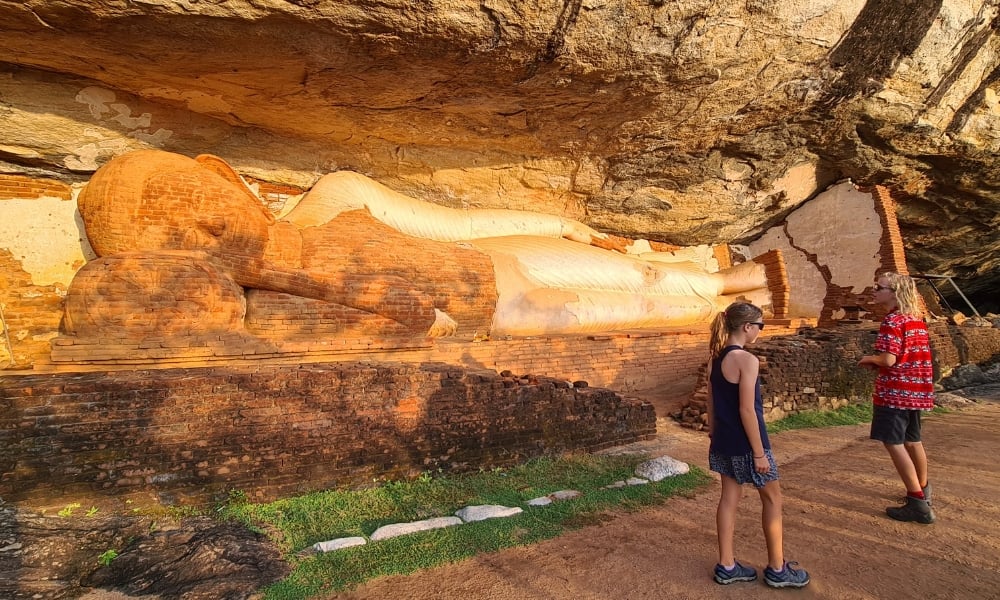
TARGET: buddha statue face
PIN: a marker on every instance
(200, 211)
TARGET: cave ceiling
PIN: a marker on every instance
(690, 122)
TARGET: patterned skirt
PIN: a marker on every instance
(741, 468)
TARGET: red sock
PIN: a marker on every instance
(919, 494)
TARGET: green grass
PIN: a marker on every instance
(852, 414)
(297, 523)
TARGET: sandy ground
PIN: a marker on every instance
(836, 484)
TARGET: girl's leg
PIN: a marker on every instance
(770, 517)
(725, 519)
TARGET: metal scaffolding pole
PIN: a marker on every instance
(930, 279)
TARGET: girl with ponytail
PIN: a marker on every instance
(740, 451)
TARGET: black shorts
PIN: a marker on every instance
(895, 425)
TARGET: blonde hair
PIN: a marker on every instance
(906, 294)
(737, 315)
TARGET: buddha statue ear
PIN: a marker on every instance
(223, 169)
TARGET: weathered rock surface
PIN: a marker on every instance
(203, 559)
(51, 556)
(46, 556)
(687, 122)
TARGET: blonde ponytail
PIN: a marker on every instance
(717, 340)
(728, 321)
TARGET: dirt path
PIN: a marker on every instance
(836, 485)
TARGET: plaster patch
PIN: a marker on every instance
(807, 286)
(87, 155)
(102, 105)
(125, 118)
(47, 237)
(702, 255)
(639, 246)
(97, 100)
(840, 226)
(85, 158)
(153, 139)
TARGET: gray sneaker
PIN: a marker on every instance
(786, 577)
(738, 573)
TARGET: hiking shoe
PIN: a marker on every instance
(739, 573)
(786, 577)
(915, 509)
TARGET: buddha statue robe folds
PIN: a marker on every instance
(185, 247)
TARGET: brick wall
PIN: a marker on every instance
(623, 362)
(959, 345)
(29, 315)
(183, 435)
(20, 186)
(777, 281)
(816, 369)
(256, 426)
(187, 436)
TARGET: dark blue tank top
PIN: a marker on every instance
(728, 436)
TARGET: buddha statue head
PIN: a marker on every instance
(159, 201)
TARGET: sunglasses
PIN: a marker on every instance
(757, 323)
(879, 288)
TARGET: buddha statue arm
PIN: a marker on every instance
(345, 190)
(385, 295)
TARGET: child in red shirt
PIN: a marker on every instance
(904, 388)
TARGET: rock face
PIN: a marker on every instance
(688, 122)
(201, 559)
(64, 555)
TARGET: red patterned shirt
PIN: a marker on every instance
(908, 384)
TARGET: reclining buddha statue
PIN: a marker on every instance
(186, 247)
